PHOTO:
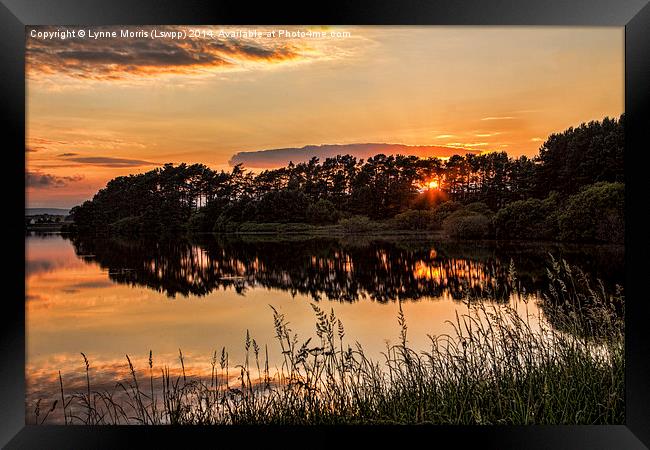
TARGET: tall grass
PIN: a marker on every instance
(497, 367)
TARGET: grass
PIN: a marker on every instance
(497, 367)
(347, 226)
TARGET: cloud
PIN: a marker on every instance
(36, 144)
(107, 161)
(281, 156)
(476, 144)
(68, 154)
(44, 141)
(36, 266)
(94, 284)
(45, 180)
(496, 133)
(120, 58)
(499, 118)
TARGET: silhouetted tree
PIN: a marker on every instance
(172, 199)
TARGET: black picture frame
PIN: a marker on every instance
(634, 15)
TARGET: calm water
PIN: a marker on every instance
(109, 298)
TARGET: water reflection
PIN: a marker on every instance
(106, 297)
(338, 269)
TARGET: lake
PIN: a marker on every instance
(111, 297)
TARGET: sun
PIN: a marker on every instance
(433, 184)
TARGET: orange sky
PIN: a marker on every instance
(99, 108)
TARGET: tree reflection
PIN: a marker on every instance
(337, 269)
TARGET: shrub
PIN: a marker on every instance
(254, 227)
(466, 224)
(126, 226)
(197, 222)
(595, 214)
(414, 219)
(235, 212)
(357, 224)
(479, 207)
(528, 219)
(295, 227)
(273, 227)
(442, 211)
(225, 225)
(205, 219)
(322, 212)
(428, 199)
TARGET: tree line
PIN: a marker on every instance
(577, 173)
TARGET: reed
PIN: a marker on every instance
(496, 367)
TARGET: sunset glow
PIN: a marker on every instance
(315, 225)
(101, 108)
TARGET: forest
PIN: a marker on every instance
(572, 190)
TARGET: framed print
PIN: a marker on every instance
(398, 222)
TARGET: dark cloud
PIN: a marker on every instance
(89, 285)
(69, 290)
(69, 154)
(116, 58)
(36, 266)
(281, 156)
(46, 180)
(107, 161)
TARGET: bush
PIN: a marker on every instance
(357, 224)
(273, 227)
(414, 219)
(479, 207)
(322, 212)
(442, 211)
(197, 222)
(295, 227)
(466, 224)
(205, 219)
(427, 199)
(225, 225)
(595, 214)
(528, 219)
(126, 226)
(254, 227)
(235, 212)
(273, 207)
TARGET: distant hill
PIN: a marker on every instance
(50, 211)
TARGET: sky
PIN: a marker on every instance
(100, 106)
